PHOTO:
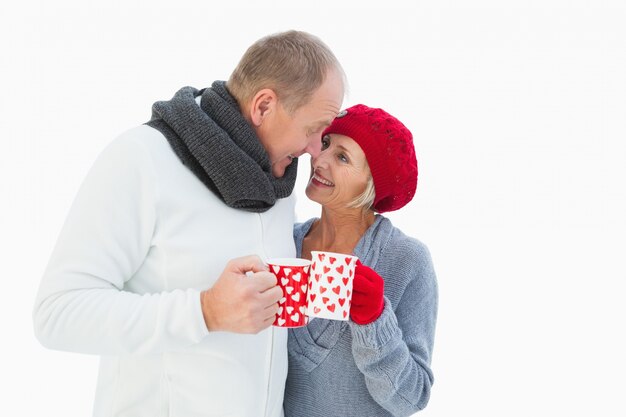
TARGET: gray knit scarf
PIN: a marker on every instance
(220, 147)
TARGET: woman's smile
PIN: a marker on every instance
(320, 181)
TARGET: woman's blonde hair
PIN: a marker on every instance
(366, 199)
(293, 64)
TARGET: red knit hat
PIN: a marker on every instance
(389, 150)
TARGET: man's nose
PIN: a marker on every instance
(314, 147)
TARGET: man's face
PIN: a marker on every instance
(286, 136)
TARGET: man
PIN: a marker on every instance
(148, 270)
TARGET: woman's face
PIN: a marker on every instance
(339, 173)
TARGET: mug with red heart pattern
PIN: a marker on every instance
(293, 278)
(330, 285)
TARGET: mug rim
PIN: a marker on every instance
(333, 253)
(293, 262)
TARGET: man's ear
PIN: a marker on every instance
(262, 105)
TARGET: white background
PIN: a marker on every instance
(518, 112)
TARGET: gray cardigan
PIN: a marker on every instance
(380, 369)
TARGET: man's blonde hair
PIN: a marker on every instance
(293, 64)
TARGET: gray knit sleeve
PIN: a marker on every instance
(394, 352)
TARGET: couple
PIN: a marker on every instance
(148, 273)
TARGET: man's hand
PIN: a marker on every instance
(241, 303)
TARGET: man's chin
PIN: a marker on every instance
(280, 167)
(278, 173)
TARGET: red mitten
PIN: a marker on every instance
(367, 295)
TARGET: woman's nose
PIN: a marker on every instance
(319, 161)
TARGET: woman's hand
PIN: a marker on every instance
(367, 295)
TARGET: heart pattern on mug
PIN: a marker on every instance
(321, 289)
(330, 286)
(294, 281)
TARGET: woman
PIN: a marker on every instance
(378, 362)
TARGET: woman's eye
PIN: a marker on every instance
(342, 157)
(325, 143)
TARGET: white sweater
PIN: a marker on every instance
(143, 238)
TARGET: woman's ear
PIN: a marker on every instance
(262, 105)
